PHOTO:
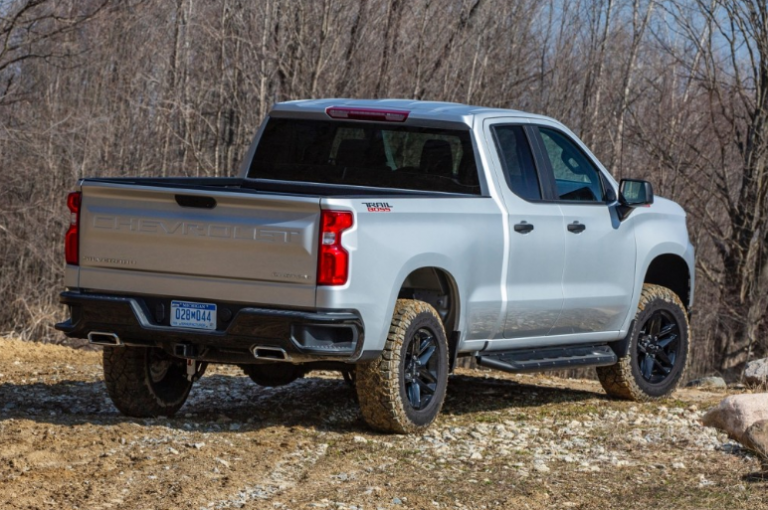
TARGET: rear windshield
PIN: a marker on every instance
(371, 154)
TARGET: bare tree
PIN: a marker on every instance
(150, 87)
(32, 29)
(727, 170)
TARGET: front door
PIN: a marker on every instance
(600, 252)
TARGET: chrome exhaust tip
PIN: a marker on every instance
(269, 353)
(102, 338)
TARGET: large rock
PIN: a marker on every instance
(756, 372)
(756, 439)
(710, 383)
(735, 414)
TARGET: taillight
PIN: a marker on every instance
(72, 238)
(333, 259)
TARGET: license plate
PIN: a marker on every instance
(186, 314)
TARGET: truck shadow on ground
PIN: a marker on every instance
(226, 403)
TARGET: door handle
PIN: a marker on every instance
(523, 227)
(576, 227)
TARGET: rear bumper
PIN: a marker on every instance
(144, 321)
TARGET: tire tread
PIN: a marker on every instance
(618, 380)
(128, 384)
(378, 381)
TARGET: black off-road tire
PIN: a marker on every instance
(383, 390)
(273, 374)
(625, 379)
(138, 391)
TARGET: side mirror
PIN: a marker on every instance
(635, 192)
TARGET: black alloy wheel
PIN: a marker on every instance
(421, 369)
(658, 346)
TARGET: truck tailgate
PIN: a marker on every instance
(248, 247)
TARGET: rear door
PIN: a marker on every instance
(600, 252)
(231, 246)
(536, 238)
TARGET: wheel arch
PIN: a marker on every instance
(671, 271)
(436, 286)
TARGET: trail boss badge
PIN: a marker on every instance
(378, 206)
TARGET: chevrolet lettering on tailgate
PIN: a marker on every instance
(184, 228)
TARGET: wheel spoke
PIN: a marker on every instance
(663, 361)
(426, 375)
(427, 353)
(429, 389)
(669, 328)
(414, 394)
(672, 357)
(668, 343)
(655, 324)
(426, 342)
(415, 344)
(659, 366)
(646, 367)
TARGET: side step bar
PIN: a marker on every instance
(550, 358)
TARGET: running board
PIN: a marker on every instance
(550, 358)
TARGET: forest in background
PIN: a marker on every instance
(673, 91)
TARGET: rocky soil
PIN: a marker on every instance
(502, 442)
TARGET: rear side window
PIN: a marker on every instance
(517, 160)
(366, 154)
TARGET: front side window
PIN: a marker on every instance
(517, 160)
(366, 154)
(576, 177)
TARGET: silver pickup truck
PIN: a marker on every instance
(384, 239)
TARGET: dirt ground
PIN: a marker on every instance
(502, 441)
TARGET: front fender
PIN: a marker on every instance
(659, 230)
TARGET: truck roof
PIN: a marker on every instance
(418, 110)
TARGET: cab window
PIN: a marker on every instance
(517, 161)
(576, 178)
